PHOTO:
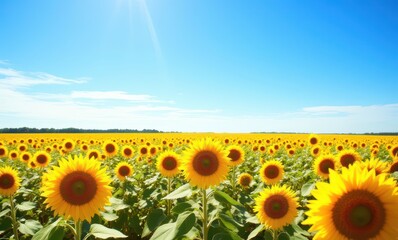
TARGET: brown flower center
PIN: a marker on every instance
(93, 154)
(169, 163)
(313, 141)
(205, 163)
(359, 214)
(234, 155)
(276, 206)
(2, 151)
(347, 159)
(41, 158)
(78, 188)
(245, 181)
(127, 152)
(394, 167)
(25, 157)
(143, 150)
(110, 148)
(124, 171)
(325, 165)
(6, 181)
(68, 145)
(271, 171)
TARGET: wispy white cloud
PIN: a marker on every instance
(113, 95)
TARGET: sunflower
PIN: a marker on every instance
(323, 164)
(84, 147)
(42, 158)
(376, 164)
(77, 188)
(123, 170)
(3, 151)
(26, 157)
(315, 151)
(356, 204)
(127, 151)
(93, 153)
(394, 165)
(13, 154)
(22, 147)
(143, 150)
(235, 154)
(394, 151)
(168, 163)
(348, 157)
(68, 145)
(9, 181)
(313, 139)
(271, 172)
(205, 163)
(276, 207)
(110, 148)
(245, 180)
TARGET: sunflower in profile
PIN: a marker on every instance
(3, 151)
(123, 170)
(168, 163)
(26, 157)
(205, 163)
(394, 151)
(348, 157)
(42, 158)
(68, 145)
(393, 167)
(323, 164)
(276, 207)
(271, 172)
(376, 164)
(9, 181)
(245, 179)
(78, 188)
(235, 154)
(110, 148)
(313, 139)
(127, 151)
(94, 153)
(356, 204)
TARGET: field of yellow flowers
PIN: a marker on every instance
(198, 186)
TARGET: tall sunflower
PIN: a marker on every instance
(42, 158)
(9, 181)
(245, 179)
(348, 157)
(13, 154)
(356, 204)
(205, 163)
(168, 163)
(323, 164)
(276, 207)
(110, 148)
(123, 170)
(313, 139)
(3, 151)
(26, 157)
(78, 188)
(68, 145)
(272, 172)
(127, 151)
(235, 154)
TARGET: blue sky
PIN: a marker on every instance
(222, 66)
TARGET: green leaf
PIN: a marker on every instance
(4, 212)
(225, 198)
(29, 227)
(253, 220)
(255, 232)
(184, 223)
(109, 217)
(102, 232)
(307, 188)
(57, 233)
(226, 236)
(44, 233)
(164, 232)
(5, 224)
(153, 220)
(135, 224)
(26, 206)
(183, 191)
(117, 204)
(299, 230)
(229, 222)
(283, 236)
(181, 207)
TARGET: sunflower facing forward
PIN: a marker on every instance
(323, 164)
(271, 172)
(276, 207)
(9, 181)
(235, 154)
(205, 163)
(123, 170)
(78, 188)
(356, 204)
(168, 163)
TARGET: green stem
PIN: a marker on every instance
(233, 181)
(274, 234)
(168, 192)
(204, 203)
(78, 227)
(14, 218)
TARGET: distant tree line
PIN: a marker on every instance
(73, 130)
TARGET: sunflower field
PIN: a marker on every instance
(198, 186)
